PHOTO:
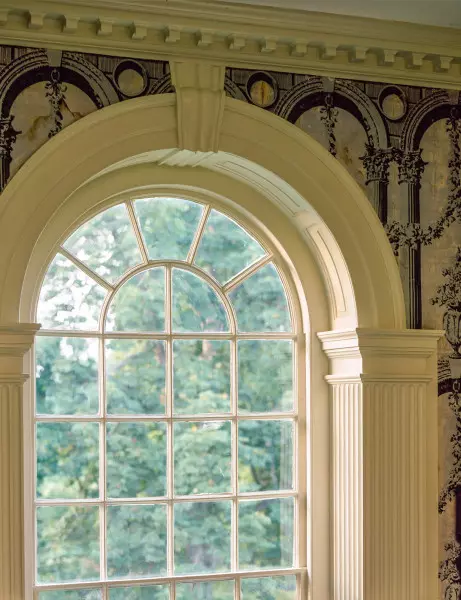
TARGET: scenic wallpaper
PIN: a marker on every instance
(402, 144)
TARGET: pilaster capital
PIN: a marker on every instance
(15, 341)
(200, 104)
(376, 162)
(380, 355)
(411, 167)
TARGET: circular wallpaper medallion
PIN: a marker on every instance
(130, 78)
(262, 89)
(393, 103)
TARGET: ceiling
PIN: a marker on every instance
(445, 13)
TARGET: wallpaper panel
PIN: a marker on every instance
(402, 146)
(400, 143)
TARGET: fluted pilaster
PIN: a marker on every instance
(384, 463)
(347, 455)
(14, 343)
(395, 490)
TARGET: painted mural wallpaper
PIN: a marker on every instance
(402, 145)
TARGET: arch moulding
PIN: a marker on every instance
(376, 440)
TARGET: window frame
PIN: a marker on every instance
(301, 465)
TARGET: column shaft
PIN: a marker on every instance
(11, 492)
(15, 341)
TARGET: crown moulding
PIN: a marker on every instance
(312, 43)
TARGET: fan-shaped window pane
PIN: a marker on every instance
(196, 306)
(107, 244)
(260, 302)
(226, 248)
(69, 299)
(168, 226)
(139, 305)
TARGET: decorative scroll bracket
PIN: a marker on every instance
(200, 104)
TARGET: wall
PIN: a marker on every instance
(400, 143)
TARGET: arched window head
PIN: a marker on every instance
(169, 386)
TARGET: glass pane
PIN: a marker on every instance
(260, 302)
(202, 458)
(136, 541)
(265, 375)
(67, 460)
(168, 226)
(66, 376)
(135, 377)
(69, 299)
(107, 244)
(265, 455)
(226, 248)
(140, 592)
(202, 537)
(269, 588)
(136, 460)
(67, 543)
(71, 595)
(205, 590)
(266, 534)
(201, 370)
(139, 305)
(196, 306)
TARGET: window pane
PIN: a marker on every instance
(265, 375)
(139, 305)
(168, 226)
(260, 302)
(135, 377)
(202, 537)
(66, 376)
(269, 588)
(140, 592)
(69, 299)
(67, 460)
(266, 534)
(201, 376)
(226, 248)
(136, 541)
(106, 244)
(205, 590)
(67, 543)
(136, 460)
(196, 306)
(71, 595)
(265, 455)
(202, 458)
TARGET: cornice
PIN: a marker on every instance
(238, 36)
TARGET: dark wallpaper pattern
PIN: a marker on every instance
(400, 143)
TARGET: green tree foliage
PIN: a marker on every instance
(136, 467)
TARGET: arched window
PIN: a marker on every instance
(170, 412)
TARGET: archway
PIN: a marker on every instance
(371, 357)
